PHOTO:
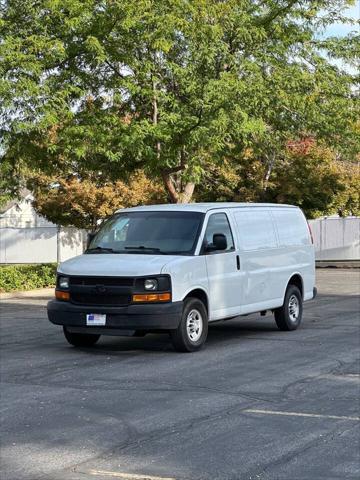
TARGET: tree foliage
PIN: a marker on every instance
(308, 177)
(307, 174)
(347, 200)
(107, 87)
(82, 203)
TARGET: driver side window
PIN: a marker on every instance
(218, 223)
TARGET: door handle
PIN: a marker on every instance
(238, 262)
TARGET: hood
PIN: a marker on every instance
(113, 265)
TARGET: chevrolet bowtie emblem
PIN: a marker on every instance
(101, 289)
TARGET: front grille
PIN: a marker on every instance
(111, 291)
(108, 281)
(99, 299)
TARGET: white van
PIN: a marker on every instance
(175, 268)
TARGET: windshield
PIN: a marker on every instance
(165, 232)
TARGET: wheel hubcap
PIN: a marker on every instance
(294, 308)
(194, 325)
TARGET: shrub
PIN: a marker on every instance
(27, 277)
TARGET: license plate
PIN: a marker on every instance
(95, 319)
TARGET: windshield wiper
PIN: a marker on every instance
(146, 249)
(101, 249)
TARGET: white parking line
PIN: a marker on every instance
(298, 414)
(126, 476)
(353, 377)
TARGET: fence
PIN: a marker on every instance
(39, 244)
(336, 239)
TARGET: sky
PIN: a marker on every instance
(340, 29)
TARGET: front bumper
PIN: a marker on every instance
(159, 316)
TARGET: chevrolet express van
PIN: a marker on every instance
(176, 268)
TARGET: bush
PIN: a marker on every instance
(27, 277)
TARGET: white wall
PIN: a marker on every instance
(72, 242)
(26, 237)
(40, 244)
(336, 238)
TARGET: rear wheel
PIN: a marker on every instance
(81, 339)
(192, 331)
(288, 317)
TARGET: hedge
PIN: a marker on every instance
(27, 277)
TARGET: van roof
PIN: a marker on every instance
(203, 207)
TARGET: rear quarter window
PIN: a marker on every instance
(291, 226)
(256, 229)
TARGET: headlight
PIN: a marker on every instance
(151, 284)
(63, 282)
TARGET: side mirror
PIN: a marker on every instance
(219, 241)
(90, 238)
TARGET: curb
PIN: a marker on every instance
(342, 264)
(38, 293)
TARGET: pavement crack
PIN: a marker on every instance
(155, 435)
(287, 457)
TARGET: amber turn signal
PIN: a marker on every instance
(152, 297)
(59, 295)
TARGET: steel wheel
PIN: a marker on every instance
(294, 308)
(288, 317)
(194, 325)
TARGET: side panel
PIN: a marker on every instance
(296, 252)
(258, 254)
(187, 273)
(224, 285)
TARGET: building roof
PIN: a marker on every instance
(24, 194)
(8, 205)
(202, 207)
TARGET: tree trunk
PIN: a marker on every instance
(177, 195)
(187, 192)
(180, 194)
(155, 119)
(170, 187)
(268, 172)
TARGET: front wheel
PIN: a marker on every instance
(192, 331)
(81, 339)
(288, 317)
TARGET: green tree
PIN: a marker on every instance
(308, 177)
(171, 87)
(347, 200)
(307, 174)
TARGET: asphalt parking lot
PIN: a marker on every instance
(256, 403)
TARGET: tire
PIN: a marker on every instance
(81, 339)
(191, 334)
(288, 317)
